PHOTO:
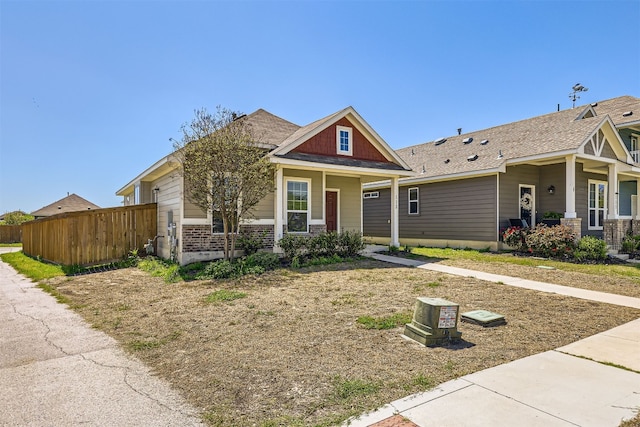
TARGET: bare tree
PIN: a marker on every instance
(225, 168)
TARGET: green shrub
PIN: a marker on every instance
(293, 245)
(591, 248)
(266, 260)
(222, 269)
(558, 241)
(349, 244)
(630, 243)
(322, 244)
(251, 242)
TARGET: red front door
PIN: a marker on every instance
(331, 213)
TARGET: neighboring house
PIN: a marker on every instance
(320, 170)
(71, 203)
(582, 163)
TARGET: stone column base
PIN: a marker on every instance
(575, 224)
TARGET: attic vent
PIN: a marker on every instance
(595, 104)
(484, 142)
(500, 154)
(467, 140)
(440, 141)
(472, 158)
(627, 113)
(447, 161)
(424, 170)
(413, 153)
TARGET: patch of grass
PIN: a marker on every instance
(345, 389)
(33, 269)
(420, 382)
(141, 345)
(387, 322)
(10, 245)
(224, 295)
(54, 293)
(169, 272)
(631, 271)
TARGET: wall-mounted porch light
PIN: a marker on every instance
(551, 189)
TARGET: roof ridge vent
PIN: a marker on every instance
(594, 104)
(440, 141)
(484, 142)
(627, 113)
(467, 140)
(472, 158)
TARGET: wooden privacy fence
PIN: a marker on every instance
(10, 233)
(91, 237)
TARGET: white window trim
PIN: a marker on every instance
(635, 152)
(589, 208)
(348, 152)
(286, 199)
(416, 201)
(371, 195)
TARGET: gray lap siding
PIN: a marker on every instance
(452, 210)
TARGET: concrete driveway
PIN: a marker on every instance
(56, 370)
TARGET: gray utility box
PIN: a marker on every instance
(435, 322)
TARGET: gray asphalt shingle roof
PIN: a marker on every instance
(546, 134)
(71, 203)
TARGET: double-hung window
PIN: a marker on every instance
(414, 201)
(298, 206)
(597, 204)
(344, 142)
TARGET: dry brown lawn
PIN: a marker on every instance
(291, 351)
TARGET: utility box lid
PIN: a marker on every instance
(483, 318)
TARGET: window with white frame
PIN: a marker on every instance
(344, 143)
(371, 195)
(414, 201)
(597, 204)
(298, 206)
(635, 153)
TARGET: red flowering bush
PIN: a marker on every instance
(558, 241)
(516, 238)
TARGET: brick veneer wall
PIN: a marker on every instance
(198, 238)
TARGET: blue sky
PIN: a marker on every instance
(91, 91)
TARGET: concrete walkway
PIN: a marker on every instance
(568, 386)
(55, 370)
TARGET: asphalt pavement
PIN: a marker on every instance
(55, 370)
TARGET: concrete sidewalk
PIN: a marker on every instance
(56, 370)
(569, 386)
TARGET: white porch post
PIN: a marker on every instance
(395, 228)
(612, 196)
(637, 211)
(279, 208)
(570, 185)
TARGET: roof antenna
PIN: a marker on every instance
(574, 95)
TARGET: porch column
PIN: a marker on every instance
(637, 211)
(570, 185)
(395, 229)
(612, 196)
(279, 208)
